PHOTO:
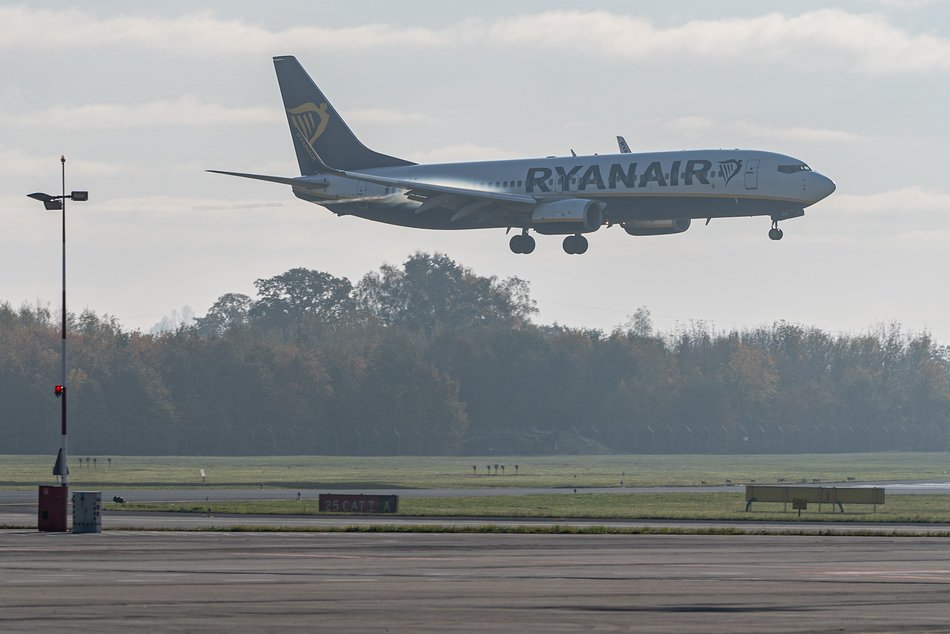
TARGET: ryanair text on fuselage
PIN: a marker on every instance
(625, 175)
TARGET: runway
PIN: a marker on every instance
(343, 582)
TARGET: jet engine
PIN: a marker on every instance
(656, 227)
(571, 215)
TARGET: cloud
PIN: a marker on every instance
(828, 37)
(14, 161)
(905, 4)
(700, 124)
(690, 123)
(905, 216)
(898, 205)
(462, 152)
(202, 32)
(168, 204)
(184, 111)
(822, 135)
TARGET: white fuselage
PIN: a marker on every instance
(631, 187)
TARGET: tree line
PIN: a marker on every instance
(431, 358)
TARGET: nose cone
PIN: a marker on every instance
(821, 186)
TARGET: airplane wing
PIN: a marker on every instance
(461, 201)
(420, 189)
(427, 190)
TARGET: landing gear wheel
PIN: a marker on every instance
(581, 246)
(522, 243)
(527, 244)
(775, 233)
(575, 245)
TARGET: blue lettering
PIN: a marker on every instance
(537, 177)
(654, 173)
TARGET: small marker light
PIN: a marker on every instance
(59, 390)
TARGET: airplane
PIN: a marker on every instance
(646, 194)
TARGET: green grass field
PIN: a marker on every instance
(333, 472)
(670, 506)
(283, 477)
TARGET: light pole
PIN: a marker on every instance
(61, 467)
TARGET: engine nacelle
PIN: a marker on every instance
(656, 227)
(571, 215)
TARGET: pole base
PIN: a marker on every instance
(52, 508)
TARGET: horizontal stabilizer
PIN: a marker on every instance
(286, 180)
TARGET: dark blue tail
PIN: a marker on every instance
(314, 121)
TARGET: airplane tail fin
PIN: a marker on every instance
(316, 125)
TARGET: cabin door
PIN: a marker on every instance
(752, 174)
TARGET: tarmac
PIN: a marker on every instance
(146, 572)
(121, 581)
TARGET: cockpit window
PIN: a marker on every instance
(791, 169)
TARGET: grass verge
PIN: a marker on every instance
(336, 472)
(606, 506)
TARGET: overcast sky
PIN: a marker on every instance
(142, 100)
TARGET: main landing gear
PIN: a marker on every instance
(775, 233)
(521, 243)
(575, 245)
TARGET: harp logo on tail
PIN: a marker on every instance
(310, 120)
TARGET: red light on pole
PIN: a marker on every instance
(58, 390)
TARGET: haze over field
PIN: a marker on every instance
(143, 99)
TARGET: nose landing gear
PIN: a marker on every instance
(775, 233)
(575, 245)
